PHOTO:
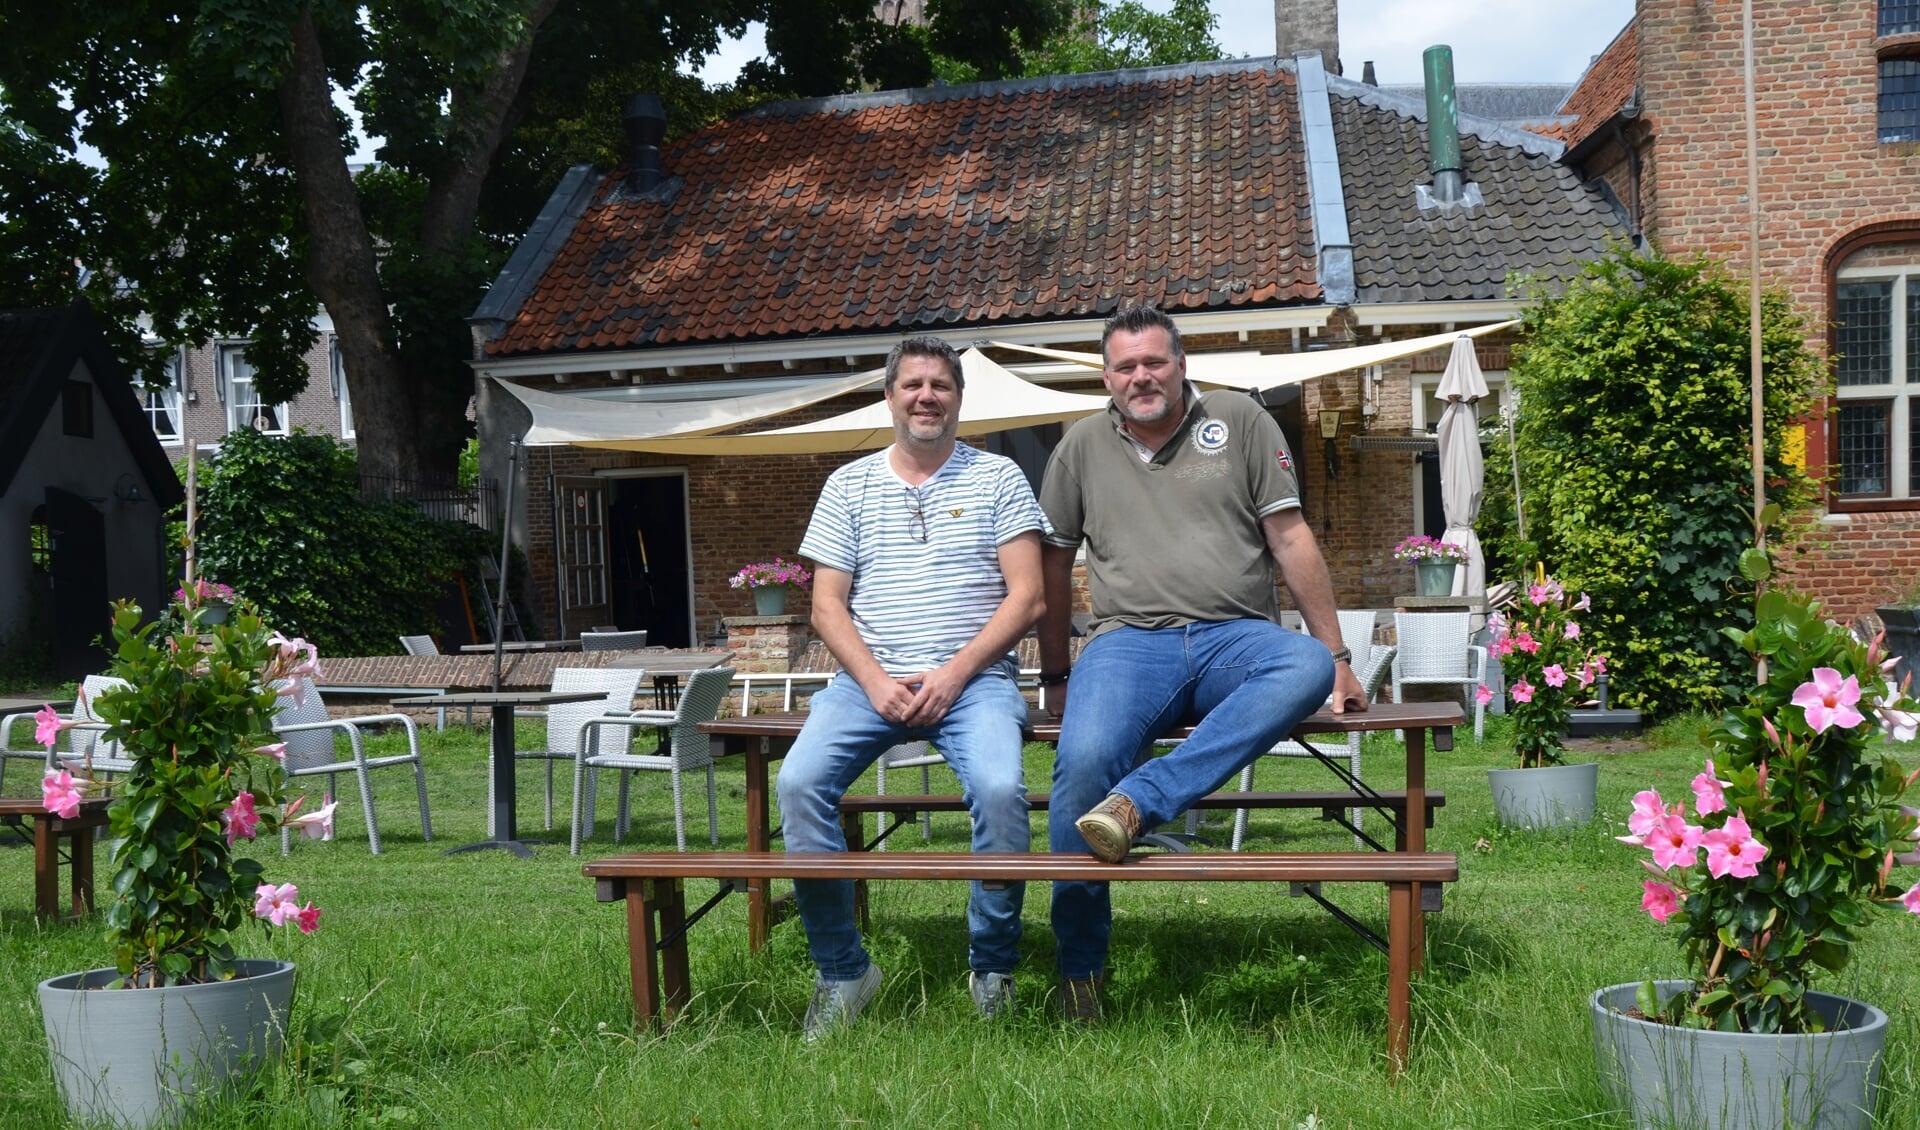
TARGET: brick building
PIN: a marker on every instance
(1660, 116)
(1268, 205)
(212, 394)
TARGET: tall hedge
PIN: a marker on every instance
(1636, 479)
(282, 521)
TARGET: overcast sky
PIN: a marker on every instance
(1492, 40)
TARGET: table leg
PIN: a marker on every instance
(1403, 912)
(642, 961)
(80, 848)
(46, 868)
(676, 980)
(1415, 822)
(759, 839)
(506, 829)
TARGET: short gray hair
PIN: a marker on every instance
(925, 347)
(1138, 318)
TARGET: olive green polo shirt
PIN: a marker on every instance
(1175, 539)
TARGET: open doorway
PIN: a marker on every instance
(649, 557)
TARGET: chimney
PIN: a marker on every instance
(1443, 125)
(645, 121)
(1366, 74)
(1308, 25)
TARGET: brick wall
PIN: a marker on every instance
(1825, 178)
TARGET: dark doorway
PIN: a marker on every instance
(647, 555)
(78, 542)
(1433, 511)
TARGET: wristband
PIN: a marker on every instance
(1343, 655)
(1056, 679)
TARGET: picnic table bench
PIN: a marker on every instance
(653, 886)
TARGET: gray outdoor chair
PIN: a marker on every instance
(612, 641)
(1433, 649)
(684, 748)
(309, 731)
(565, 721)
(907, 755)
(83, 741)
(419, 645)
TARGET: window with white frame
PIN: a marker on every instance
(245, 409)
(1876, 317)
(163, 404)
(337, 367)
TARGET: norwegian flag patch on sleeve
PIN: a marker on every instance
(1286, 461)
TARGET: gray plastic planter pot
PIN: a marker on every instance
(1544, 797)
(137, 1057)
(1667, 1077)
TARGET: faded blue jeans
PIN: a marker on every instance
(981, 739)
(1246, 682)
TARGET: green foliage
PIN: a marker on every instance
(1632, 436)
(1824, 805)
(1099, 37)
(1548, 664)
(282, 521)
(197, 706)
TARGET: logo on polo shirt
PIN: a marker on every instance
(1210, 437)
(1286, 461)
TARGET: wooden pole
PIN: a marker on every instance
(193, 479)
(1757, 391)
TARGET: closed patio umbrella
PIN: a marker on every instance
(1462, 470)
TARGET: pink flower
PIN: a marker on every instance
(1555, 675)
(59, 795)
(1675, 842)
(1911, 900)
(1585, 602)
(1659, 900)
(241, 818)
(277, 751)
(47, 725)
(1585, 675)
(297, 662)
(276, 904)
(1732, 850)
(1599, 664)
(1503, 647)
(316, 825)
(1525, 642)
(1522, 691)
(1900, 725)
(1708, 794)
(308, 918)
(1482, 694)
(1828, 700)
(1648, 811)
(1573, 630)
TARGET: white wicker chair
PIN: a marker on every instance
(83, 741)
(566, 722)
(1433, 650)
(419, 645)
(309, 731)
(1372, 673)
(907, 755)
(604, 744)
(612, 641)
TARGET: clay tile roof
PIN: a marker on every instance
(1537, 217)
(1607, 86)
(911, 210)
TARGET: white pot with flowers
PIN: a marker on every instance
(1434, 563)
(769, 582)
(180, 1010)
(1549, 669)
(1784, 851)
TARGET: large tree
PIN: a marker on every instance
(185, 162)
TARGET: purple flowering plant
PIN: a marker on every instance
(1548, 666)
(1796, 824)
(1420, 547)
(779, 571)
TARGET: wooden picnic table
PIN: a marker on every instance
(763, 739)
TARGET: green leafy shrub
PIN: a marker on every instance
(282, 521)
(1636, 479)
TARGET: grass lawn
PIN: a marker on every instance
(487, 991)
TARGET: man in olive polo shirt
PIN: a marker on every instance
(1187, 503)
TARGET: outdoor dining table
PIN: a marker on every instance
(763, 739)
(49, 828)
(521, 645)
(506, 833)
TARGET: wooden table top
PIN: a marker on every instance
(28, 806)
(1043, 727)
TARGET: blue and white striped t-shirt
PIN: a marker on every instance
(925, 560)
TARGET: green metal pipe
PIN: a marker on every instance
(1443, 117)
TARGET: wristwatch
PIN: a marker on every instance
(1343, 655)
(1055, 678)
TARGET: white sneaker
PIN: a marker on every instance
(992, 993)
(837, 1004)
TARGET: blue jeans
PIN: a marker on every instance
(979, 737)
(1248, 682)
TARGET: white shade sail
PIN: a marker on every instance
(593, 422)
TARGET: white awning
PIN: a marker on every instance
(1272, 370)
(590, 422)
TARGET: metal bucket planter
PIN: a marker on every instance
(1665, 1076)
(1435, 578)
(770, 600)
(1544, 797)
(138, 1057)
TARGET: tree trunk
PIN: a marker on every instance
(341, 269)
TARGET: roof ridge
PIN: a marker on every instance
(1486, 129)
(1132, 76)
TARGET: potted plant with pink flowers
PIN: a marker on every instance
(1549, 670)
(1780, 853)
(769, 581)
(180, 1009)
(1434, 562)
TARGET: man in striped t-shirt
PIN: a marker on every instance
(928, 571)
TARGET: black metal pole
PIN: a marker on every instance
(506, 535)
